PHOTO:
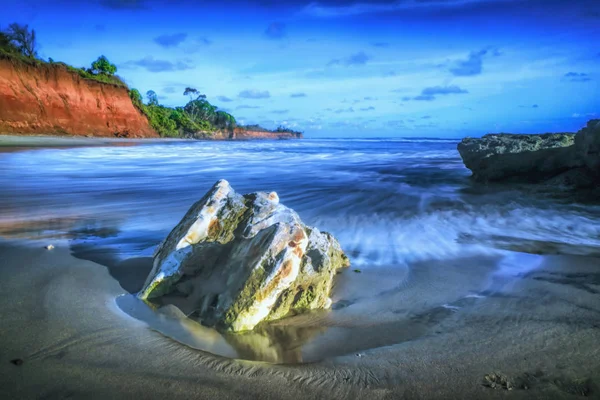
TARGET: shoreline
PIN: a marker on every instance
(11, 141)
(27, 140)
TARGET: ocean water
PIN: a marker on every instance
(404, 210)
(388, 201)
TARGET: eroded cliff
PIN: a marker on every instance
(48, 99)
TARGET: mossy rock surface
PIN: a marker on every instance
(557, 159)
(235, 261)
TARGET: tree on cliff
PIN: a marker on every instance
(191, 92)
(103, 66)
(152, 98)
(5, 43)
(196, 104)
(22, 39)
(224, 120)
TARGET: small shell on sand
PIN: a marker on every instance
(49, 247)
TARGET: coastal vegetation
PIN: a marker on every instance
(197, 118)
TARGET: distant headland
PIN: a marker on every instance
(45, 97)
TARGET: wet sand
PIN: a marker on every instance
(21, 142)
(539, 328)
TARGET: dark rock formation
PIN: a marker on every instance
(587, 145)
(557, 158)
(235, 261)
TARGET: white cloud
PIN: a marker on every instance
(316, 9)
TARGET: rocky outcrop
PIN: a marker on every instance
(587, 145)
(552, 157)
(244, 134)
(234, 261)
(48, 99)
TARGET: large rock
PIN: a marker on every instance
(587, 144)
(529, 158)
(234, 261)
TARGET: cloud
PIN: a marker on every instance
(370, 108)
(244, 106)
(369, 98)
(422, 97)
(396, 123)
(577, 115)
(170, 40)
(195, 45)
(472, 65)
(204, 40)
(224, 99)
(318, 9)
(577, 77)
(296, 95)
(344, 110)
(280, 111)
(430, 125)
(435, 90)
(426, 117)
(359, 58)
(153, 65)
(275, 31)
(124, 4)
(254, 94)
(531, 106)
(429, 93)
(169, 89)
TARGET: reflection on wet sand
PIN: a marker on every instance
(269, 343)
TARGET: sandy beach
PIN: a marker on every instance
(61, 319)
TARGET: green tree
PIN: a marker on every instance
(152, 98)
(224, 120)
(192, 92)
(194, 96)
(136, 98)
(21, 39)
(103, 66)
(5, 42)
(201, 110)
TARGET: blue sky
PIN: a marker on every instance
(342, 68)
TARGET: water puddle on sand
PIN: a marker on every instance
(374, 308)
(295, 340)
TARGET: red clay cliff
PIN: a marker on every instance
(50, 100)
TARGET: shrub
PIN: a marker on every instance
(103, 66)
(136, 99)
